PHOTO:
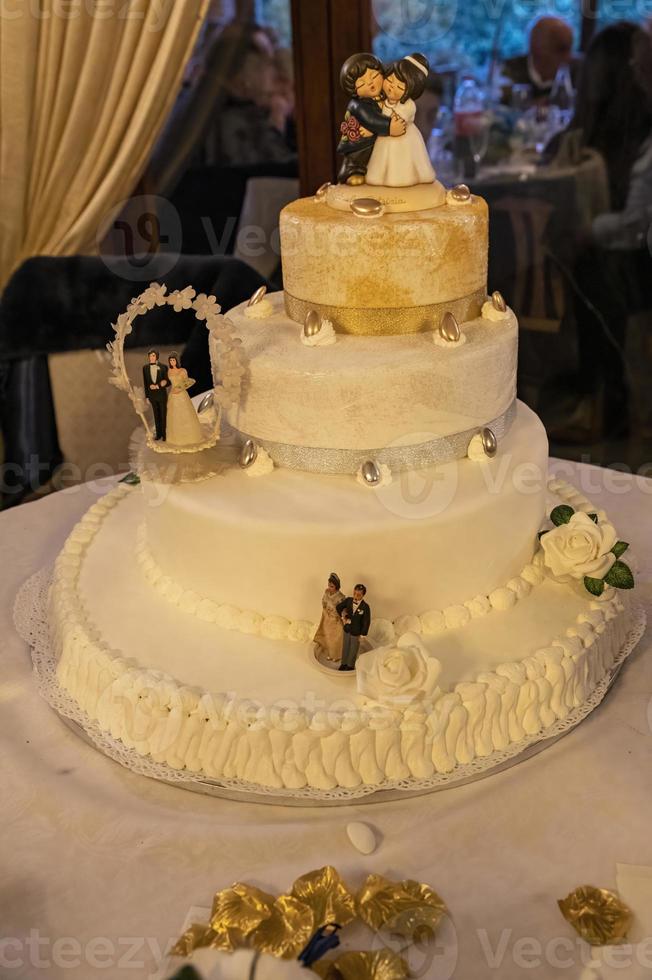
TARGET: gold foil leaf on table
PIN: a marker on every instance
(597, 914)
(380, 965)
(195, 937)
(244, 916)
(327, 895)
(241, 907)
(407, 904)
(287, 930)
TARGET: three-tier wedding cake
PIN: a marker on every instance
(375, 469)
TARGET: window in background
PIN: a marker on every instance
(463, 33)
(276, 14)
(610, 11)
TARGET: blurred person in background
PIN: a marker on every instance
(550, 47)
(255, 121)
(612, 268)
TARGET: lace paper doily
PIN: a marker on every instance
(30, 618)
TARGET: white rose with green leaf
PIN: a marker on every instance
(581, 547)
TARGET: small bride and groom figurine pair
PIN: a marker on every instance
(378, 139)
(344, 621)
(175, 418)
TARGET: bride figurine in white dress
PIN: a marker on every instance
(183, 425)
(402, 161)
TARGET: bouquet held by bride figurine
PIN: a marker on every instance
(379, 141)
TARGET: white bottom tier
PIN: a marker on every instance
(194, 695)
(427, 543)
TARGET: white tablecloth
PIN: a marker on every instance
(101, 867)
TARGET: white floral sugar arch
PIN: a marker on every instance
(232, 366)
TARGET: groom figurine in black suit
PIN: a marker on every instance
(356, 617)
(362, 80)
(155, 380)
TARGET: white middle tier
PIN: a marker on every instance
(370, 393)
(431, 539)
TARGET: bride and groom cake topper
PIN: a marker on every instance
(345, 620)
(175, 419)
(379, 140)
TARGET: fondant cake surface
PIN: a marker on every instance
(269, 542)
(367, 393)
(398, 273)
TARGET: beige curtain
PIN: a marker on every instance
(85, 89)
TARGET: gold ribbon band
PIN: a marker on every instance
(384, 321)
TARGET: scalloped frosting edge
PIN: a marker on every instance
(293, 747)
(276, 627)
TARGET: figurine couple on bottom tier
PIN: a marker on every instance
(343, 621)
(379, 139)
(175, 418)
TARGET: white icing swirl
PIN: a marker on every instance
(260, 310)
(324, 337)
(407, 624)
(440, 341)
(456, 617)
(489, 312)
(479, 606)
(433, 621)
(262, 465)
(502, 599)
(476, 451)
(381, 632)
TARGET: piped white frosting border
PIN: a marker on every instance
(275, 627)
(345, 747)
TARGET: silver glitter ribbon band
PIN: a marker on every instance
(383, 321)
(443, 449)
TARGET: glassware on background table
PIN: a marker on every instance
(562, 96)
(520, 97)
(479, 139)
(440, 148)
(448, 167)
(471, 121)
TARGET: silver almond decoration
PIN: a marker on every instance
(322, 191)
(248, 454)
(257, 296)
(461, 192)
(449, 329)
(311, 323)
(489, 442)
(206, 403)
(498, 302)
(366, 207)
(371, 473)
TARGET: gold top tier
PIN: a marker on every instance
(384, 273)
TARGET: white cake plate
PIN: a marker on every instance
(30, 618)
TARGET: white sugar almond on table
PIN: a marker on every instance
(361, 836)
(357, 525)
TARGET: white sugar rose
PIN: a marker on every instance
(402, 672)
(579, 548)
